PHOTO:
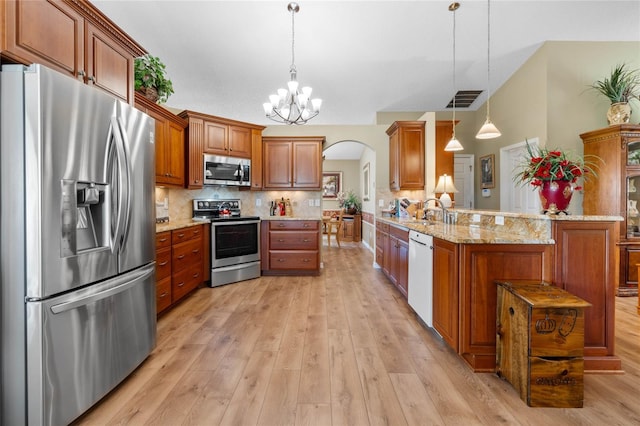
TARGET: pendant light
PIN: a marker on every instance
(454, 144)
(488, 129)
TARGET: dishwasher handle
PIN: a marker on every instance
(419, 242)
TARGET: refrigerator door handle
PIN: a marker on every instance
(123, 184)
(121, 284)
(128, 173)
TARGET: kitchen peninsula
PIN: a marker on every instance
(575, 253)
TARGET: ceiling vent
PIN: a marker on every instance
(464, 98)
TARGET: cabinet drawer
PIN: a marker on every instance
(186, 254)
(556, 332)
(382, 226)
(555, 382)
(285, 240)
(163, 240)
(283, 259)
(163, 263)
(401, 234)
(185, 281)
(163, 294)
(185, 234)
(294, 224)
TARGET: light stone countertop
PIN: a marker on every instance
(464, 234)
(177, 224)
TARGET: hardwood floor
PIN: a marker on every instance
(343, 348)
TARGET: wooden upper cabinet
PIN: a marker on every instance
(169, 141)
(109, 66)
(406, 155)
(292, 162)
(72, 37)
(215, 138)
(224, 139)
(218, 136)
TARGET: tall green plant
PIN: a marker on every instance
(622, 85)
(149, 71)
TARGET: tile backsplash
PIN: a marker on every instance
(254, 203)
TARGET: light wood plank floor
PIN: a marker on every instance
(340, 349)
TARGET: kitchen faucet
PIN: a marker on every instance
(446, 216)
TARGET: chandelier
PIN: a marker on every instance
(292, 106)
(454, 144)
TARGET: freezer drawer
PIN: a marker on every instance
(86, 342)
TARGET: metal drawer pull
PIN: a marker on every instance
(162, 240)
(195, 251)
(181, 257)
(165, 294)
(281, 240)
(281, 260)
(196, 275)
(181, 284)
(163, 263)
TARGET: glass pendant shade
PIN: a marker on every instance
(453, 145)
(488, 131)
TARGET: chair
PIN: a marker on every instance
(334, 226)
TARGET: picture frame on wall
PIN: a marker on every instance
(331, 184)
(366, 181)
(487, 167)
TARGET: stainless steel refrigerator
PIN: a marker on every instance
(77, 244)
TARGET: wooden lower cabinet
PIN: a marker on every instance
(163, 271)
(585, 266)
(445, 291)
(180, 264)
(290, 247)
(392, 254)
(480, 266)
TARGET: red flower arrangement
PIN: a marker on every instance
(542, 164)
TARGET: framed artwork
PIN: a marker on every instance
(331, 184)
(487, 164)
(365, 182)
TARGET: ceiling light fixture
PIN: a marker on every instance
(292, 106)
(488, 129)
(454, 144)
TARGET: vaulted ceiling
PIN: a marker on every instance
(360, 57)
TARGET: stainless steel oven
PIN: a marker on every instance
(235, 240)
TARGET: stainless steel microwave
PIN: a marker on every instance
(223, 170)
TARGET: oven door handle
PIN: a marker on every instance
(234, 222)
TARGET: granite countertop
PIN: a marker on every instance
(463, 234)
(177, 224)
(289, 218)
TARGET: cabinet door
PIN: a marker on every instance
(29, 29)
(307, 165)
(176, 153)
(161, 142)
(445, 291)
(411, 158)
(196, 150)
(394, 175)
(109, 66)
(277, 164)
(215, 138)
(402, 263)
(239, 142)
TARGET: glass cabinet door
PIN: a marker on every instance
(633, 153)
(633, 215)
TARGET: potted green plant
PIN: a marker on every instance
(350, 202)
(620, 87)
(151, 79)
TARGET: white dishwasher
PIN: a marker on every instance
(420, 292)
